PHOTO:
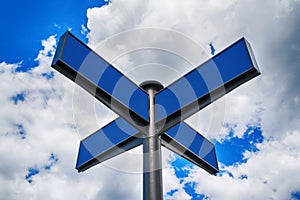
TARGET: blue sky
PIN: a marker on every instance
(255, 128)
(27, 23)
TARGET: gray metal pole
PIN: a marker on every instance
(152, 166)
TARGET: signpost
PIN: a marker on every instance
(141, 121)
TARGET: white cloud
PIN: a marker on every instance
(47, 117)
(269, 32)
(272, 173)
(272, 100)
(84, 30)
(45, 56)
(114, 18)
(272, 27)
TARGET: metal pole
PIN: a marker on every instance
(152, 166)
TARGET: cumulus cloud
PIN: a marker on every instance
(38, 103)
(43, 100)
(270, 173)
(269, 101)
(270, 33)
(38, 137)
(114, 18)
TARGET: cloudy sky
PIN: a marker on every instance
(256, 128)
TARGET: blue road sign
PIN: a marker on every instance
(79, 63)
(119, 136)
(113, 139)
(219, 75)
(191, 145)
(224, 72)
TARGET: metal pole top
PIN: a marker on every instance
(155, 85)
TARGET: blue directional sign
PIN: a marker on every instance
(113, 139)
(191, 145)
(219, 75)
(119, 136)
(211, 80)
(89, 70)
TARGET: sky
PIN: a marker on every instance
(255, 128)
